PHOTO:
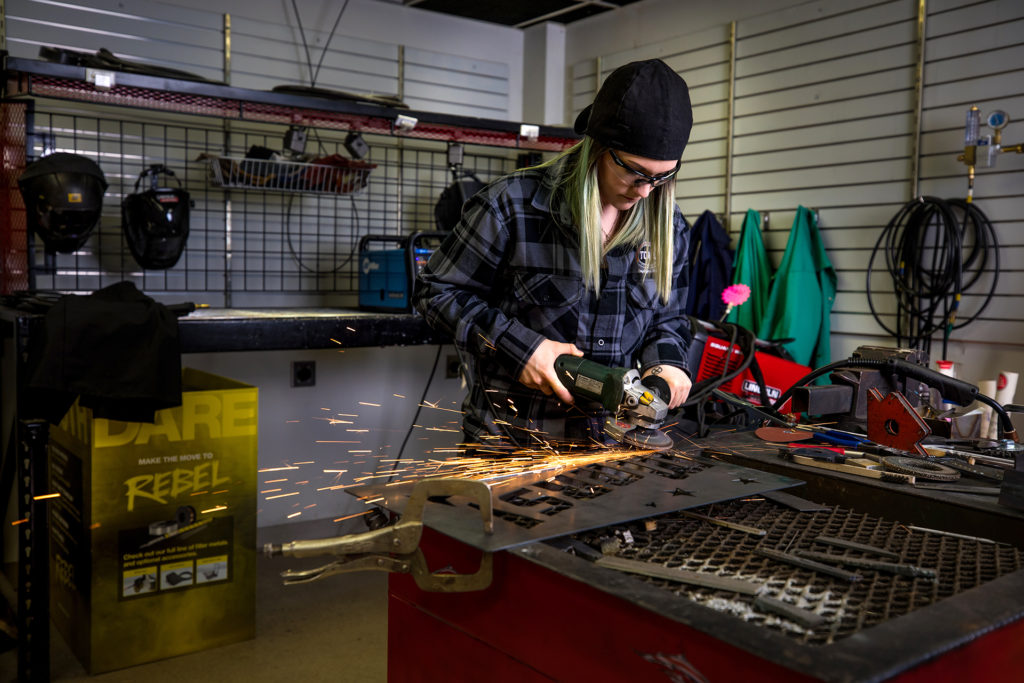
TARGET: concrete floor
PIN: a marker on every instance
(331, 630)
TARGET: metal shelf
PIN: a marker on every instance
(47, 79)
(288, 176)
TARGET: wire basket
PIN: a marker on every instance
(334, 174)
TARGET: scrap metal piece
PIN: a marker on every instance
(795, 502)
(754, 531)
(681, 575)
(801, 616)
(853, 545)
(788, 558)
(892, 421)
(910, 570)
(921, 469)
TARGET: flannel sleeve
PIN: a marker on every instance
(458, 288)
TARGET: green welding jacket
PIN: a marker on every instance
(752, 268)
(802, 293)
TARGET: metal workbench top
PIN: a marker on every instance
(208, 330)
(274, 329)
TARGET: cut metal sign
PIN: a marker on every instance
(547, 505)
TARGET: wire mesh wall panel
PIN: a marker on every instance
(296, 244)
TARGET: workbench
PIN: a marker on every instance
(553, 614)
(202, 331)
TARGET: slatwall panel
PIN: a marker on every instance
(825, 117)
(141, 31)
(703, 61)
(251, 247)
(975, 56)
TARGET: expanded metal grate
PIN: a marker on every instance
(678, 540)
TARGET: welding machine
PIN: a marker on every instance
(714, 355)
(388, 267)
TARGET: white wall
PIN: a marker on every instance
(365, 396)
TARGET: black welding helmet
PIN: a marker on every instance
(155, 222)
(63, 196)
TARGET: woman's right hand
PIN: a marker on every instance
(539, 372)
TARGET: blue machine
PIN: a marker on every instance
(388, 266)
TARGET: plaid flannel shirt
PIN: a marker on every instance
(509, 275)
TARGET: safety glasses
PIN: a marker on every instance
(639, 178)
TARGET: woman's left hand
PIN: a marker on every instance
(678, 381)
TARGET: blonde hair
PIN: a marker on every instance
(650, 219)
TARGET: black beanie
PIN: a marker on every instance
(642, 108)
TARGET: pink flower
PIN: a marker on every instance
(734, 295)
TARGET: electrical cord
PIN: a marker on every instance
(956, 390)
(297, 256)
(419, 407)
(924, 249)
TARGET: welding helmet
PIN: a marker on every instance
(155, 222)
(63, 195)
(448, 209)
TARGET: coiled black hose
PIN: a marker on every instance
(935, 251)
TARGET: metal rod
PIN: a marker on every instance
(915, 152)
(951, 534)
(730, 105)
(227, 152)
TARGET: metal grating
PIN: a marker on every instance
(687, 543)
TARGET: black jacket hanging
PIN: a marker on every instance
(710, 268)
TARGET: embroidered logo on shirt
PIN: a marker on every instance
(644, 259)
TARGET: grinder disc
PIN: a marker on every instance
(921, 469)
(648, 439)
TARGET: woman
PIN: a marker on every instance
(582, 255)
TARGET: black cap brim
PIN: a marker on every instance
(582, 120)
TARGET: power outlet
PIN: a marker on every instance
(451, 367)
(304, 373)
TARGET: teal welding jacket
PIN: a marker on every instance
(752, 268)
(803, 291)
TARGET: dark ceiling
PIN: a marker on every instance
(520, 13)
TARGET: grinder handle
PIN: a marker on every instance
(952, 389)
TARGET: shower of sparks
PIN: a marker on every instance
(277, 469)
(365, 403)
(217, 508)
(358, 514)
(46, 496)
(398, 396)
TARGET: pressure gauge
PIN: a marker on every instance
(998, 119)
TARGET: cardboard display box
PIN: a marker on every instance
(153, 535)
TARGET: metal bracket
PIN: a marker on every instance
(396, 548)
(892, 421)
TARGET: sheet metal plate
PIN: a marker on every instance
(587, 498)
